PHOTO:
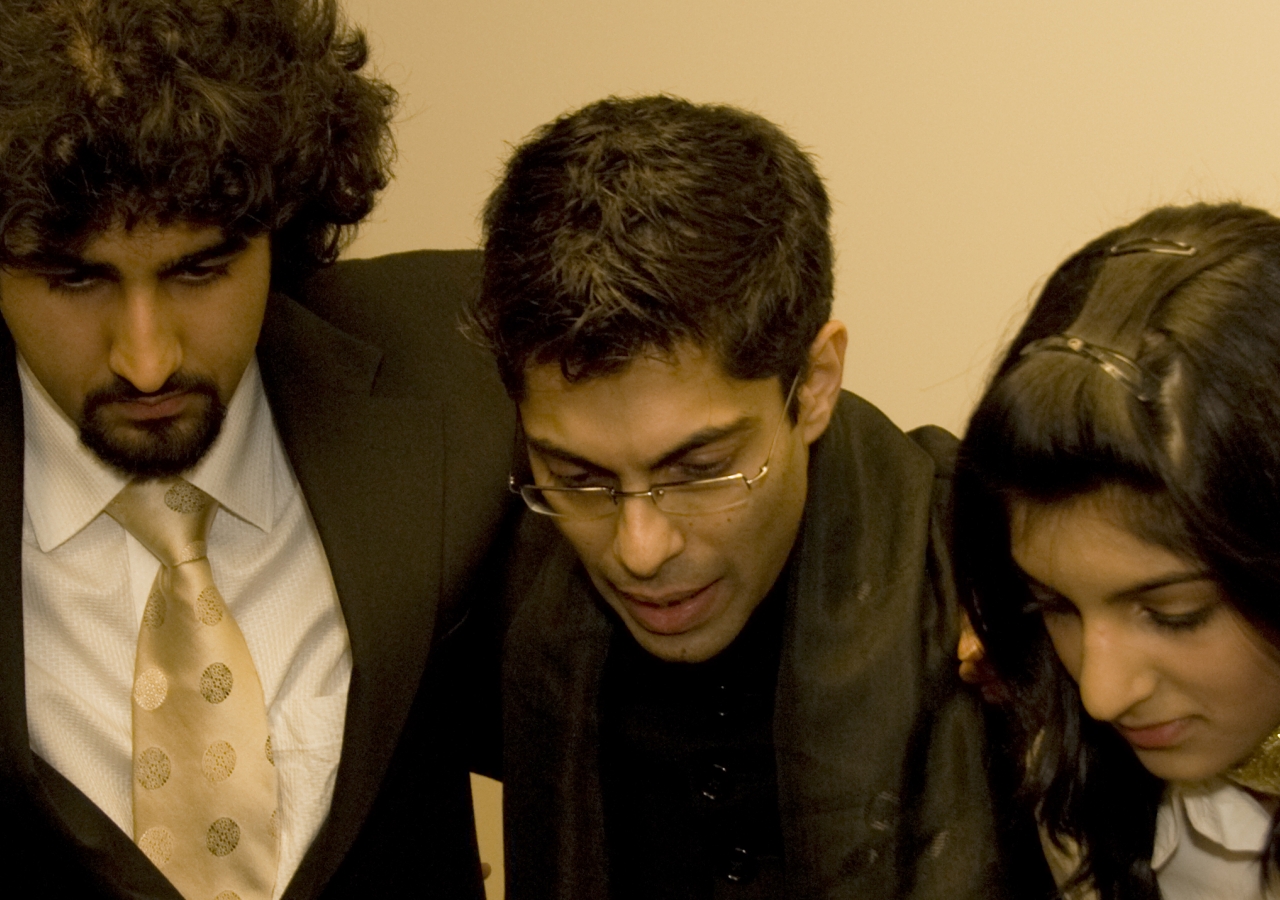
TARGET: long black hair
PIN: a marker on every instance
(1193, 444)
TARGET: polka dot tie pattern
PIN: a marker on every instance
(204, 792)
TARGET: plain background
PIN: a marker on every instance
(968, 145)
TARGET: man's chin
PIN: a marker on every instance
(153, 448)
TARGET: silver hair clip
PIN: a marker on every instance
(1136, 379)
(1152, 245)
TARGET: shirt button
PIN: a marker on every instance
(724, 704)
(740, 865)
(714, 786)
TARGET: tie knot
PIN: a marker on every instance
(168, 516)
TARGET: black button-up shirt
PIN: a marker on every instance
(687, 768)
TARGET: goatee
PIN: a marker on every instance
(153, 448)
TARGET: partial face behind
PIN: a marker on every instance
(684, 585)
(1154, 646)
(142, 338)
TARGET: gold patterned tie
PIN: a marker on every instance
(204, 787)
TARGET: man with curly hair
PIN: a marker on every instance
(174, 177)
(733, 678)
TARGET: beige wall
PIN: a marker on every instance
(968, 145)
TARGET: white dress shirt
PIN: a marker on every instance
(1209, 841)
(85, 582)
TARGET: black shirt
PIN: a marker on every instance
(687, 767)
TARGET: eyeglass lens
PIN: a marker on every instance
(678, 499)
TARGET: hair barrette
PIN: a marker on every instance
(1165, 246)
(1139, 382)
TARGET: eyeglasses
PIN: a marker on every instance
(681, 498)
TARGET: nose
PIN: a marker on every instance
(644, 537)
(1114, 676)
(145, 345)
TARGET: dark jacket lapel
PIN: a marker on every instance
(363, 460)
(15, 755)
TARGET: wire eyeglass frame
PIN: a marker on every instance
(535, 495)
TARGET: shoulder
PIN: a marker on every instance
(878, 511)
(382, 336)
(864, 446)
(941, 446)
(390, 300)
(875, 498)
(407, 308)
(423, 280)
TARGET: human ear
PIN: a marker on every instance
(821, 388)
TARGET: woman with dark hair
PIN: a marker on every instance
(1118, 544)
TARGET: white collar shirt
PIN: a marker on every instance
(1209, 842)
(85, 585)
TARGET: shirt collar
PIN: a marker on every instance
(1217, 811)
(66, 486)
(237, 471)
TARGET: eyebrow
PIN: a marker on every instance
(1165, 581)
(57, 263)
(695, 441)
(1143, 587)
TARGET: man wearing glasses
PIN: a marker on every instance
(734, 678)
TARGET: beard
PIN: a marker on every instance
(152, 448)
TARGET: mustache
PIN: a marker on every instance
(121, 390)
(152, 447)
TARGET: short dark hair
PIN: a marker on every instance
(251, 115)
(633, 225)
(1192, 467)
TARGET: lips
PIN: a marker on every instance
(673, 612)
(1156, 736)
(154, 406)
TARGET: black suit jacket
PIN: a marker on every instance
(401, 437)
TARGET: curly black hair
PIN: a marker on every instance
(249, 115)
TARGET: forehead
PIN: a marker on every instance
(139, 248)
(1085, 545)
(652, 405)
(147, 245)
